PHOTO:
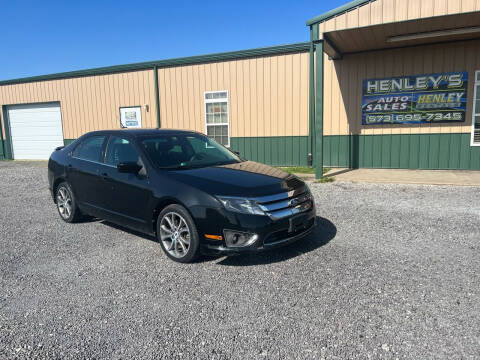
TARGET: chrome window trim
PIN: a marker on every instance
(92, 161)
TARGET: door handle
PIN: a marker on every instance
(106, 177)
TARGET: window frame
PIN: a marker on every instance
(209, 101)
(476, 83)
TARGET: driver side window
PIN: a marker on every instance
(120, 150)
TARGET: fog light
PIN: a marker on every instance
(235, 238)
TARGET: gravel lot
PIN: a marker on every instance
(393, 271)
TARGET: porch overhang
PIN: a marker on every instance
(423, 31)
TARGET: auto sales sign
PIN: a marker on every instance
(415, 99)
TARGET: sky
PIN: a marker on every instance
(49, 36)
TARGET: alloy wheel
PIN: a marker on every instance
(64, 203)
(175, 234)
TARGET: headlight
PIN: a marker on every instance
(240, 205)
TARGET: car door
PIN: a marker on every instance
(83, 174)
(128, 194)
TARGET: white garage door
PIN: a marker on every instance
(35, 130)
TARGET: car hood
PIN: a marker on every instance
(246, 179)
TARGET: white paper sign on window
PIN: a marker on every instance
(131, 117)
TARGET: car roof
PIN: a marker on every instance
(142, 132)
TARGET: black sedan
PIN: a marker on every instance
(190, 192)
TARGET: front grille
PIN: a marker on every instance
(284, 234)
(286, 204)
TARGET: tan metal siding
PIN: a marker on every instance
(343, 84)
(89, 103)
(386, 11)
(268, 96)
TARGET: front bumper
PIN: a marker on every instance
(271, 234)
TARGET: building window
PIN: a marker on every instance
(476, 111)
(216, 116)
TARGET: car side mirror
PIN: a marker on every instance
(128, 167)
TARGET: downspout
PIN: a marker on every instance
(311, 115)
(2, 141)
(319, 110)
(157, 95)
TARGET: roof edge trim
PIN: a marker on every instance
(337, 11)
(231, 55)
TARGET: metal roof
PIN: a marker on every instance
(232, 55)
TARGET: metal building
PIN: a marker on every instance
(381, 84)
(366, 41)
(255, 101)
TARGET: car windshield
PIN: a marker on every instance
(186, 151)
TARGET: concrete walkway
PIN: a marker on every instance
(405, 176)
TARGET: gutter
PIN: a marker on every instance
(157, 95)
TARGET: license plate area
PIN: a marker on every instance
(297, 223)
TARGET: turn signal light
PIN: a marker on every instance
(213, 237)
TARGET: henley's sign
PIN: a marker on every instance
(415, 99)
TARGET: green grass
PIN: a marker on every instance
(301, 169)
(298, 169)
(325, 180)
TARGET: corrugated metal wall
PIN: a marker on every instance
(402, 151)
(385, 11)
(89, 103)
(343, 84)
(268, 95)
(348, 143)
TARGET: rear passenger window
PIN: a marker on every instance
(90, 149)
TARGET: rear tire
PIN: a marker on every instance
(177, 234)
(66, 203)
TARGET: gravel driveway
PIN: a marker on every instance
(392, 271)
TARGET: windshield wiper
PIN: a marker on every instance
(196, 166)
(225, 162)
(176, 167)
(182, 167)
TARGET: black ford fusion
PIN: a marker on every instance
(193, 194)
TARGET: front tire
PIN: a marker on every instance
(177, 234)
(66, 203)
